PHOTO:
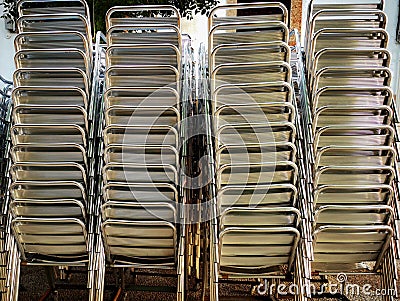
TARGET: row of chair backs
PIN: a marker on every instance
(255, 126)
(141, 137)
(52, 132)
(352, 132)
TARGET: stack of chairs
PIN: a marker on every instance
(52, 134)
(256, 228)
(5, 105)
(351, 155)
(5, 239)
(141, 209)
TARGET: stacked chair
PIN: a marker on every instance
(142, 226)
(51, 194)
(256, 225)
(351, 150)
(5, 239)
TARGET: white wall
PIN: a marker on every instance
(6, 50)
(197, 28)
(392, 11)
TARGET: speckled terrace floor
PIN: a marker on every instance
(34, 284)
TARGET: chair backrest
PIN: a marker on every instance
(352, 129)
(142, 136)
